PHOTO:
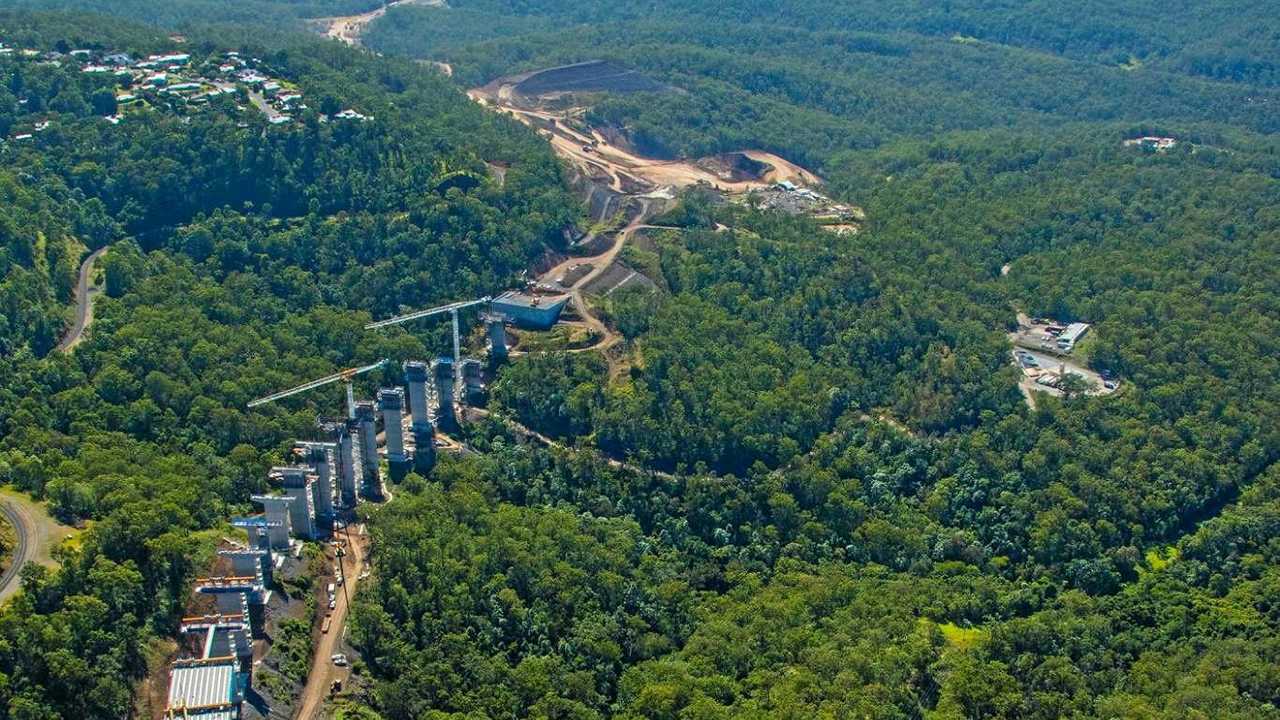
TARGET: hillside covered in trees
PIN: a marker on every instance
(243, 256)
(245, 17)
(809, 79)
(849, 508)
(814, 489)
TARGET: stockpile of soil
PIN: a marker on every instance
(736, 167)
(592, 76)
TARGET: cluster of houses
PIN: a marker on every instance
(177, 81)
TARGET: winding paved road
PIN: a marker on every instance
(84, 302)
(23, 552)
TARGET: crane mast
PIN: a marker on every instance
(452, 309)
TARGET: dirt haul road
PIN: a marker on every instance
(617, 162)
(644, 179)
(600, 263)
(349, 28)
(323, 671)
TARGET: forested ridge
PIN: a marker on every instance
(243, 257)
(815, 490)
(864, 518)
(244, 17)
(808, 80)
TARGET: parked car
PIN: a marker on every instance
(339, 659)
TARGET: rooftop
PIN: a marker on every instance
(1074, 331)
(516, 299)
(205, 684)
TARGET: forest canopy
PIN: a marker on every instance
(805, 485)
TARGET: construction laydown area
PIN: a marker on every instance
(551, 101)
(623, 188)
(1046, 351)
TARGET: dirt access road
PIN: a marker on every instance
(620, 164)
(85, 293)
(349, 28)
(323, 671)
(600, 263)
(645, 180)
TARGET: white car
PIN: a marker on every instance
(340, 660)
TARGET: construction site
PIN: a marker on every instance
(1047, 353)
(314, 495)
(550, 101)
(226, 667)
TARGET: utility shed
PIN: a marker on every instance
(205, 689)
(530, 311)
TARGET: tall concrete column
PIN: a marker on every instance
(279, 527)
(367, 422)
(321, 457)
(391, 405)
(416, 375)
(497, 340)
(444, 376)
(298, 483)
(350, 467)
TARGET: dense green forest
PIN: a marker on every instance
(243, 257)
(1234, 41)
(816, 490)
(799, 85)
(247, 17)
(863, 518)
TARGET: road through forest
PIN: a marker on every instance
(22, 549)
(85, 293)
(37, 534)
(323, 671)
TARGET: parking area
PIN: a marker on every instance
(1043, 372)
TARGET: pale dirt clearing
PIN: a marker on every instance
(349, 28)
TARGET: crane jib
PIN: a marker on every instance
(451, 307)
(343, 376)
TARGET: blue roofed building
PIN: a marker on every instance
(535, 312)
